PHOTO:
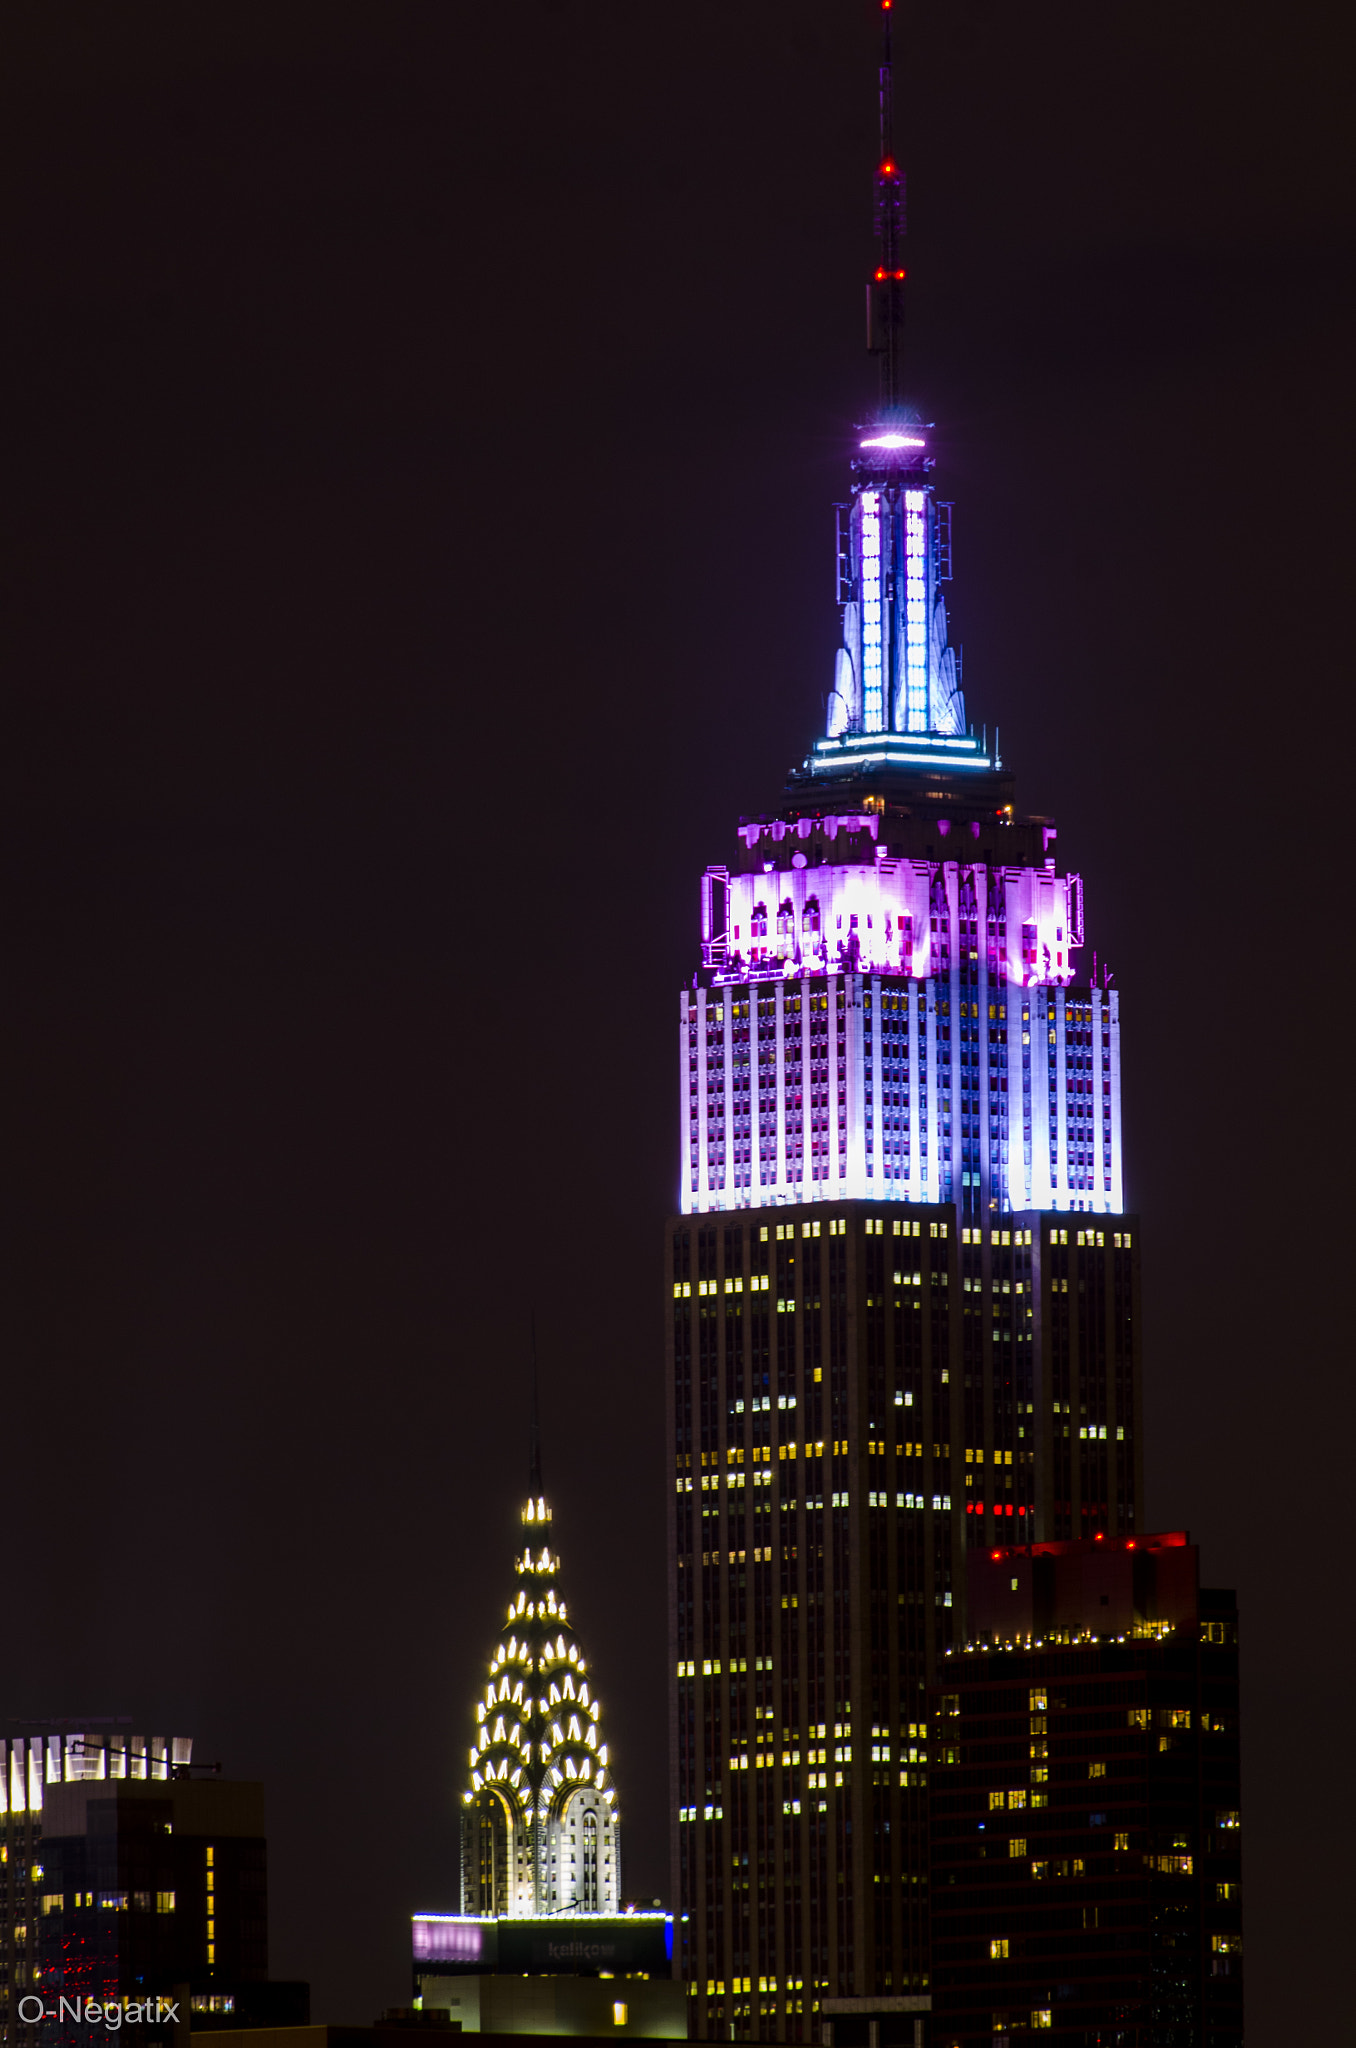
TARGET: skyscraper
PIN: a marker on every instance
(540, 1830)
(902, 1295)
(34, 1761)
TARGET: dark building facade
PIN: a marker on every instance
(1085, 1803)
(150, 1889)
(859, 1394)
(37, 1759)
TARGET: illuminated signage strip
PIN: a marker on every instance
(852, 743)
(885, 756)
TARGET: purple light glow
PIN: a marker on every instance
(893, 441)
(438, 1940)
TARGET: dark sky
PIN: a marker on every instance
(421, 426)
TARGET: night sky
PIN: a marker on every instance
(421, 429)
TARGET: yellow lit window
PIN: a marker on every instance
(164, 1902)
(997, 1799)
(1096, 1770)
(1122, 1842)
(1017, 1845)
(618, 2014)
(1017, 1798)
(998, 1949)
(1043, 2018)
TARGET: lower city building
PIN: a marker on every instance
(1085, 1803)
(130, 1882)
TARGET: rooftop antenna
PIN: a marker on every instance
(885, 293)
(534, 1486)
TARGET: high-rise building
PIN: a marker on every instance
(130, 1880)
(35, 1758)
(540, 1831)
(1086, 1822)
(902, 1294)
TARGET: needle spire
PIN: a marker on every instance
(534, 1485)
(885, 293)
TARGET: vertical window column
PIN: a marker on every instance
(875, 1156)
(917, 1030)
(853, 1044)
(703, 1115)
(782, 1165)
(728, 1147)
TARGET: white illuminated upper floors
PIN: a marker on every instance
(956, 1086)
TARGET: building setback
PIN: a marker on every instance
(1085, 1803)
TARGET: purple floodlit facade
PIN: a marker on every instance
(890, 1003)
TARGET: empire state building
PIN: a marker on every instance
(901, 1289)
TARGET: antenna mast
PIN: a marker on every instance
(885, 293)
(534, 1487)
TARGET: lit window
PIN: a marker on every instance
(1017, 1845)
(998, 1949)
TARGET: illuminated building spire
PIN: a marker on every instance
(896, 702)
(540, 1829)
